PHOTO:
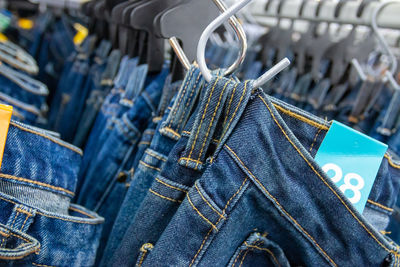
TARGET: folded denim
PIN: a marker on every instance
(38, 224)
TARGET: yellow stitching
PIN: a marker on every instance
(42, 265)
(20, 237)
(212, 120)
(214, 140)
(20, 256)
(149, 166)
(142, 258)
(192, 160)
(315, 139)
(201, 215)
(47, 137)
(236, 109)
(169, 130)
(299, 117)
(205, 200)
(202, 117)
(230, 102)
(379, 205)
(190, 96)
(146, 143)
(173, 187)
(385, 232)
(11, 177)
(26, 219)
(223, 212)
(323, 180)
(15, 217)
(181, 97)
(155, 156)
(82, 212)
(23, 211)
(240, 252)
(280, 206)
(264, 249)
(391, 163)
(164, 197)
(4, 234)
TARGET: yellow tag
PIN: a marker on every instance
(3, 38)
(25, 24)
(5, 117)
(81, 33)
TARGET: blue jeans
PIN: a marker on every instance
(167, 134)
(246, 209)
(38, 224)
(182, 167)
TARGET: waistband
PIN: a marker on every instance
(285, 140)
(39, 169)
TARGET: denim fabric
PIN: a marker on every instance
(393, 229)
(22, 112)
(41, 24)
(118, 145)
(38, 224)
(167, 134)
(20, 86)
(182, 168)
(95, 100)
(247, 208)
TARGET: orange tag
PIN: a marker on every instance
(3, 38)
(5, 117)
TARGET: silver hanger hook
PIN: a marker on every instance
(379, 36)
(239, 31)
(201, 47)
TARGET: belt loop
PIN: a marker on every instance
(21, 218)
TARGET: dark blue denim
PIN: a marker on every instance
(248, 209)
(118, 146)
(38, 224)
(393, 230)
(22, 112)
(167, 134)
(185, 163)
(41, 25)
(102, 86)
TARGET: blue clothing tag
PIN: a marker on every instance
(351, 159)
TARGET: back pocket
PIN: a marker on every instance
(257, 250)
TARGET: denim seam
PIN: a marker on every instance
(164, 197)
(49, 138)
(148, 152)
(230, 103)
(191, 160)
(207, 202)
(18, 236)
(323, 180)
(280, 209)
(189, 133)
(82, 212)
(24, 211)
(148, 166)
(264, 249)
(245, 255)
(189, 100)
(42, 265)
(242, 250)
(236, 109)
(144, 251)
(26, 219)
(169, 130)
(170, 186)
(223, 212)
(391, 163)
(147, 98)
(20, 256)
(51, 216)
(202, 118)
(379, 205)
(200, 214)
(301, 118)
(315, 139)
(212, 120)
(15, 217)
(11, 177)
(180, 98)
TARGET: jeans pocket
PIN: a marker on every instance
(258, 250)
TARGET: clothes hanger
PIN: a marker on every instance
(116, 25)
(190, 35)
(209, 30)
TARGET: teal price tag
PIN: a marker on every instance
(352, 160)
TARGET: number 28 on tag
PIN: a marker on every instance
(352, 181)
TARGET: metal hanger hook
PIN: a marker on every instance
(201, 47)
(239, 32)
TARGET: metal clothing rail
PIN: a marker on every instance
(291, 9)
(71, 4)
